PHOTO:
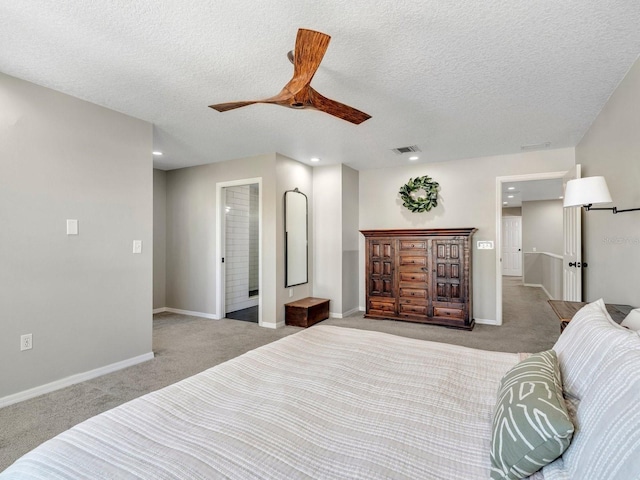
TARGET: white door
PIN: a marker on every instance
(512, 246)
(572, 252)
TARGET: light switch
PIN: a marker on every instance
(72, 227)
(137, 246)
(485, 244)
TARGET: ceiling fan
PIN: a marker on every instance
(310, 48)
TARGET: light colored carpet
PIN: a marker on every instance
(186, 345)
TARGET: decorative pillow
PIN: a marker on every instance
(588, 344)
(606, 444)
(632, 321)
(531, 426)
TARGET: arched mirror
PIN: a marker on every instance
(295, 238)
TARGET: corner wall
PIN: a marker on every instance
(159, 238)
(192, 264)
(611, 243)
(86, 298)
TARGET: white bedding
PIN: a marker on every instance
(328, 402)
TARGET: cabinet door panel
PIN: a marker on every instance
(381, 272)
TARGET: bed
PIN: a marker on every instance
(325, 403)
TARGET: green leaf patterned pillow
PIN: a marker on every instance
(531, 426)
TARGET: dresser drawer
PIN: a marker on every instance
(448, 312)
(413, 277)
(413, 293)
(413, 261)
(382, 306)
(413, 309)
(413, 244)
(413, 301)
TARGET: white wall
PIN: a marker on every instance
(327, 254)
(291, 174)
(542, 226)
(159, 238)
(86, 298)
(467, 199)
(335, 206)
(611, 243)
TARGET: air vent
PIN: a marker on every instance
(401, 150)
(537, 146)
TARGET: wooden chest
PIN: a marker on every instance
(306, 312)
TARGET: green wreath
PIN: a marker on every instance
(420, 204)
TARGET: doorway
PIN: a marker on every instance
(510, 193)
(239, 233)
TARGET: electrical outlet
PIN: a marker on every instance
(290, 292)
(26, 342)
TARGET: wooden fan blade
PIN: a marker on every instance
(281, 98)
(224, 107)
(337, 109)
(310, 49)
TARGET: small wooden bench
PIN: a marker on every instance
(306, 312)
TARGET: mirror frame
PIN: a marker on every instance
(286, 239)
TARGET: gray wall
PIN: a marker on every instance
(191, 231)
(542, 226)
(159, 238)
(512, 212)
(350, 239)
(86, 299)
(611, 243)
(467, 199)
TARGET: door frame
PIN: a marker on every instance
(220, 239)
(499, 182)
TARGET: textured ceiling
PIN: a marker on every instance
(459, 78)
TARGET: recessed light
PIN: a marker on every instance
(505, 203)
(315, 159)
(511, 188)
(157, 153)
(560, 197)
(413, 158)
(509, 196)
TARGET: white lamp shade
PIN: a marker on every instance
(586, 191)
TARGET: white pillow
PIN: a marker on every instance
(590, 342)
(606, 443)
(632, 321)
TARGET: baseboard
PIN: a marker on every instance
(538, 285)
(159, 310)
(548, 294)
(273, 325)
(487, 321)
(193, 314)
(72, 380)
(345, 314)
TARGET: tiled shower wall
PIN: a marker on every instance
(254, 265)
(237, 248)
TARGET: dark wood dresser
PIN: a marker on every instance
(420, 276)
